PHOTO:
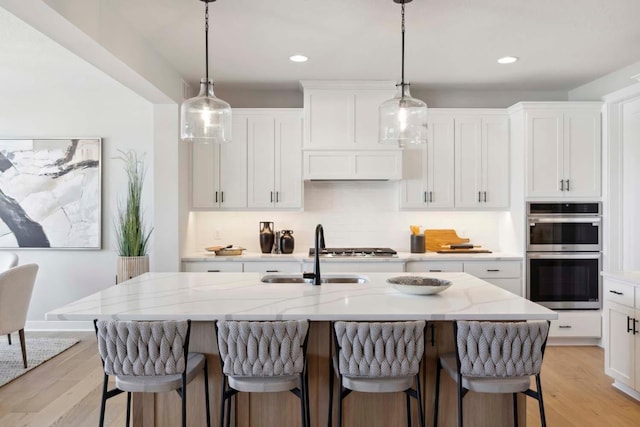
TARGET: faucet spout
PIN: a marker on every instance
(318, 246)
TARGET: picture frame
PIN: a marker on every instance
(51, 193)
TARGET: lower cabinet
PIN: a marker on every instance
(504, 274)
(622, 334)
(577, 324)
(272, 267)
(434, 267)
(212, 266)
(357, 267)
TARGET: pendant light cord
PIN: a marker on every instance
(206, 41)
(402, 81)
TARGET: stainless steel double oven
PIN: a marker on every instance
(564, 255)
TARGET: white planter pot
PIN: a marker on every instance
(131, 266)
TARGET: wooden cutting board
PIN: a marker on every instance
(464, 251)
(436, 238)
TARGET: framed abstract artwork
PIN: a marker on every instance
(50, 193)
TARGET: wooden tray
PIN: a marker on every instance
(435, 239)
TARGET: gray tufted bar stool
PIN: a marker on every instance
(377, 357)
(149, 357)
(496, 357)
(262, 357)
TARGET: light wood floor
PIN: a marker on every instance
(65, 391)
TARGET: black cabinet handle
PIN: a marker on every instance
(216, 197)
(568, 186)
(271, 196)
(435, 271)
(424, 196)
(485, 197)
(616, 292)
(629, 329)
(494, 270)
(564, 326)
(479, 196)
(562, 185)
(430, 196)
(277, 197)
(635, 331)
(222, 197)
(213, 271)
(273, 271)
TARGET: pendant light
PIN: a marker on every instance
(403, 119)
(205, 118)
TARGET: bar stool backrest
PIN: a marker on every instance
(262, 349)
(500, 349)
(143, 348)
(379, 349)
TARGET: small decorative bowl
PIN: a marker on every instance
(419, 285)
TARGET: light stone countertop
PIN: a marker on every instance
(304, 256)
(242, 296)
(630, 277)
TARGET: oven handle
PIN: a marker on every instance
(533, 220)
(565, 255)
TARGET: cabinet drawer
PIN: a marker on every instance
(273, 267)
(435, 267)
(357, 267)
(622, 293)
(493, 269)
(212, 267)
(584, 324)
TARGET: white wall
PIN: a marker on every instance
(352, 213)
(616, 80)
(45, 91)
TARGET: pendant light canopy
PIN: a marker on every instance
(403, 119)
(205, 118)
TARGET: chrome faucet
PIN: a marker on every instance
(318, 246)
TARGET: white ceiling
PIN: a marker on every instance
(450, 44)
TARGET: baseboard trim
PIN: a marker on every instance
(574, 341)
(626, 389)
(59, 325)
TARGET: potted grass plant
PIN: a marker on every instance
(132, 234)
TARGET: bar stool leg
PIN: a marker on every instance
(419, 398)
(543, 419)
(340, 403)
(515, 409)
(331, 375)
(128, 408)
(222, 400)
(206, 392)
(408, 400)
(435, 410)
(459, 400)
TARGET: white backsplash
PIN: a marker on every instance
(353, 214)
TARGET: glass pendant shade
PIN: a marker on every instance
(205, 118)
(403, 119)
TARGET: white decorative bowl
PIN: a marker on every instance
(419, 285)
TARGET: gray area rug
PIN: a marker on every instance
(39, 350)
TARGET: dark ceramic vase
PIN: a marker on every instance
(286, 242)
(267, 237)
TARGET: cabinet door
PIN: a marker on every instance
(233, 167)
(495, 162)
(619, 344)
(440, 163)
(204, 175)
(413, 187)
(273, 267)
(328, 119)
(468, 159)
(261, 169)
(212, 266)
(544, 141)
(288, 161)
(582, 154)
(434, 266)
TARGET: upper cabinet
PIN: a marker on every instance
(465, 163)
(219, 171)
(341, 131)
(428, 177)
(260, 168)
(482, 161)
(563, 150)
(275, 159)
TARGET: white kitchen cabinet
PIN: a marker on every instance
(356, 267)
(428, 177)
(622, 335)
(563, 150)
(274, 158)
(434, 267)
(504, 274)
(482, 161)
(212, 266)
(577, 324)
(219, 171)
(272, 266)
(343, 114)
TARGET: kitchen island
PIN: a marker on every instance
(205, 298)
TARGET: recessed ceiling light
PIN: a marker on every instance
(298, 58)
(507, 60)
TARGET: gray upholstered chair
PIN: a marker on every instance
(149, 357)
(16, 287)
(377, 358)
(263, 357)
(496, 357)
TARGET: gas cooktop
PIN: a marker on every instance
(355, 252)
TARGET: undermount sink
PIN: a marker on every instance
(329, 278)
